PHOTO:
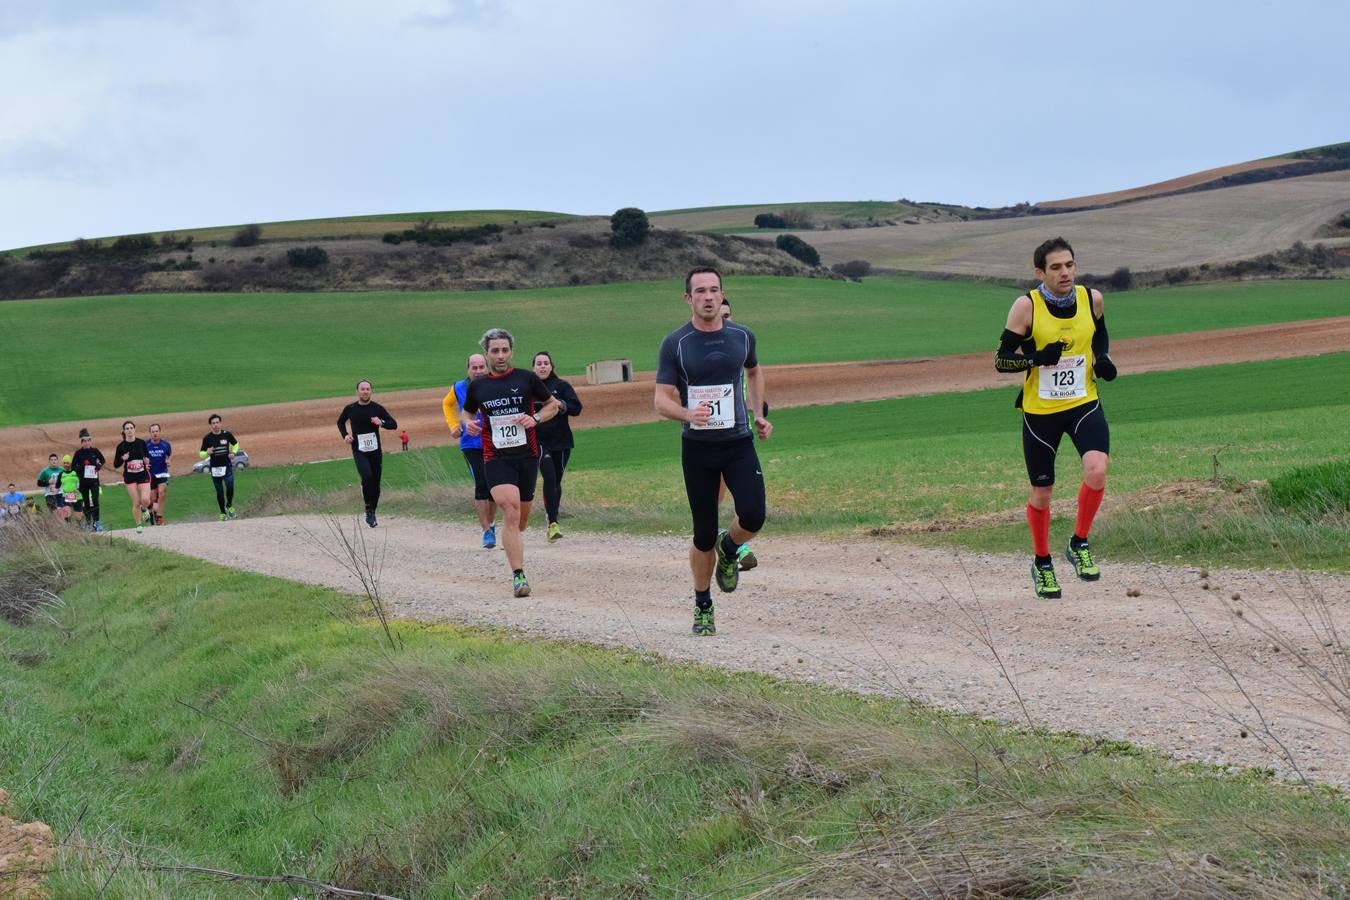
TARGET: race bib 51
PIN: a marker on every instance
(721, 404)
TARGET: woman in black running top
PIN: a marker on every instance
(133, 458)
(555, 439)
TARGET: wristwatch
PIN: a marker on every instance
(536, 418)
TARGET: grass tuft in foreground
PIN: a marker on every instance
(186, 715)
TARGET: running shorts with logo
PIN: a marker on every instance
(1085, 425)
(522, 471)
(709, 367)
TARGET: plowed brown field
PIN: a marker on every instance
(284, 433)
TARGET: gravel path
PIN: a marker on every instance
(958, 630)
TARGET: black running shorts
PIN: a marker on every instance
(522, 471)
(1085, 425)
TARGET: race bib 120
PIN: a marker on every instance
(1066, 380)
(721, 404)
(505, 432)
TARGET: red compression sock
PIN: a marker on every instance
(1089, 499)
(1039, 520)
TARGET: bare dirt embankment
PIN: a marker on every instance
(305, 431)
(1178, 667)
(26, 853)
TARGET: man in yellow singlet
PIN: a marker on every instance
(1056, 335)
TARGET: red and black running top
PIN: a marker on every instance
(502, 399)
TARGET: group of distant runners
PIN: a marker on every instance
(513, 426)
(72, 484)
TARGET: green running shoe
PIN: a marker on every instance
(223, 517)
(554, 532)
(1044, 581)
(520, 587)
(725, 571)
(703, 622)
(230, 511)
(746, 559)
(1080, 558)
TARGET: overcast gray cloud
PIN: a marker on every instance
(151, 116)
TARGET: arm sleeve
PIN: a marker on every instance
(388, 418)
(1101, 341)
(667, 363)
(538, 390)
(117, 457)
(1011, 355)
(450, 406)
(571, 400)
(101, 461)
(470, 404)
(751, 354)
(342, 422)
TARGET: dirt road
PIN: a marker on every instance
(285, 433)
(872, 615)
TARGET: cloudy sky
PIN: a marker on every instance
(149, 115)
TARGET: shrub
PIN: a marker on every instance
(1121, 279)
(392, 237)
(134, 243)
(797, 217)
(798, 248)
(854, 268)
(306, 257)
(248, 236)
(629, 227)
(770, 220)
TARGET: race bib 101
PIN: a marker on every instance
(1066, 380)
(721, 404)
(367, 442)
(505, 432)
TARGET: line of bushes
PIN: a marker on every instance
(432, 236)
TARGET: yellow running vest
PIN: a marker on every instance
(1051, 389)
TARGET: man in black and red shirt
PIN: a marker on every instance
(512, 401)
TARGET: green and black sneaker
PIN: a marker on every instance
(703, 622)
(1080, 557)
(520, 586)
(727, 569)
(746, 559)
(1044, 581)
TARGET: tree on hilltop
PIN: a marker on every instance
(629, 227)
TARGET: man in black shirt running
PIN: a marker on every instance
(220, 446)
(699, 382)
(366, 418)
(513, 401)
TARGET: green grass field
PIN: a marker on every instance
(948, 459)
(198, 351)
(189, 715)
